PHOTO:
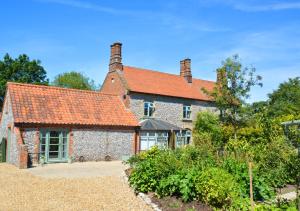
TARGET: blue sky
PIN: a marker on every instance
(76, 34)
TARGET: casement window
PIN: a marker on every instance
(183, 138)
(54, 145)
(150, 139)
(148, 109)
(187, 112)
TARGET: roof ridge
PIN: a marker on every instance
(157, 71)
(204, 80)
(152, 70)
(58, 88)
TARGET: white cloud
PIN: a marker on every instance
(267, 7)
(89, 6)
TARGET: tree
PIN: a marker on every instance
(21, 69)
(75, 80)
(286, 99)
(208, 129)
(232, 89)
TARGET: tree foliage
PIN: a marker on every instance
(75, 80)
(20, 69)
(286, 99)
(232, 89)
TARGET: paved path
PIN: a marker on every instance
(21, 190)
(79, 170)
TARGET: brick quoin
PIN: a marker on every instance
(71, 142)
(23, 159)
(23, 151)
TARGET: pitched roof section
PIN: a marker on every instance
(156, 124)
(154, 82)
(54, 105)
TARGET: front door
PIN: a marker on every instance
(54, 145)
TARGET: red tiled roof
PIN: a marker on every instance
(154, 82)
(54, 105)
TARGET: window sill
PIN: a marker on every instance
(148, 117)
(187, 120)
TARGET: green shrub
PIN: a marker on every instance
(240, 171)
(181, 184)
(152, 167)
(217, 188)
(208, 126)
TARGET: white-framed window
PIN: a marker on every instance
(187, 112)
(183, 138)
(148, 109)
(149, 139)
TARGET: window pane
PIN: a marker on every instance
(43, 148)
(53, 154)
(151, 142)
(143, 134)
(53, 148)
(54, 134)
(148, 108)
(151, 134)
(162, 142)
(43, 134)
(151, 111)
(144, 144)
(188, 115)
(54, 140)
(146, 112)
(43, 141)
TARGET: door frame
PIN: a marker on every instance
(3, 150)
(60, 158)
(8, 144)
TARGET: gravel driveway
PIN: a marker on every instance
(21, 190)
(80, 170)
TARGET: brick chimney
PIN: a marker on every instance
(115, 57)
(185, 70)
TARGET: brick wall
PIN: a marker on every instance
(113, 84)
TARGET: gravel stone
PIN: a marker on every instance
(20, 190)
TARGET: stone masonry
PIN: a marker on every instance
(169, 109)
(6, 123)
(95, 144)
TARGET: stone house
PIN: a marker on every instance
(134, 110)
(58, 123)
(165, 104)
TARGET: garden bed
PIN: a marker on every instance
(176, 204)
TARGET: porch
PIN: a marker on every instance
(154, 132)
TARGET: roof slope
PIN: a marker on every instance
(154, 82)
(156, 124)
(54, 105)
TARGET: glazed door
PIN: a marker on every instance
(54, 145)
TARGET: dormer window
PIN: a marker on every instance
(148, 109)
(187, 112)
